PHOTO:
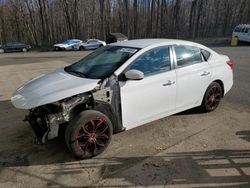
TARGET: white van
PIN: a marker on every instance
(242, 32)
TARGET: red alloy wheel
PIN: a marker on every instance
(93, 137)
(213, 97)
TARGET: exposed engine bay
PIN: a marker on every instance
(46, 120)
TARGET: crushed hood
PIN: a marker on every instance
(50, 88)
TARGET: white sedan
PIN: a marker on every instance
(72, 44)
(122, 86)
(91, 44)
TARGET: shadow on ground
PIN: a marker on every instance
(216, 168)
(245, 135)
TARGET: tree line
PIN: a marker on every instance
(44, 22)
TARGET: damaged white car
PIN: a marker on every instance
(122, 86)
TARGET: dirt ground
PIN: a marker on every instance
(190, 149)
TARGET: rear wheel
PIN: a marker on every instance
(89, 134)
(212, 97)
(81, 48)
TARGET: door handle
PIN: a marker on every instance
(169, 83)
(205, 73)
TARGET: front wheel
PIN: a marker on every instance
(212, 97)
(88, 134)
(24, 50)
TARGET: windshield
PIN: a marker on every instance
(101, 63)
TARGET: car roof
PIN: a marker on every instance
(243, 25)
(15, 43)
(72, 39)
(143, 43)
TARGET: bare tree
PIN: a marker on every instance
(43, 22)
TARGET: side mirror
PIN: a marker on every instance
(134, 75)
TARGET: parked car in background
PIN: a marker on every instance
(122, 86)
(115, 37)
(72, 44)
(242, 32)
(14, 47)
(91, 44)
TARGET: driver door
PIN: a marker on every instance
(154, 96)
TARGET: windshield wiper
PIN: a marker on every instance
(69, 70)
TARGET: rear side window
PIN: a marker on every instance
(187, 55)
(206, 54)
(92, 41)
(246, 30)
(242, 29)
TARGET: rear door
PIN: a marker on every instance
(92, 44)
(18, 46)
(75, 44)
(193, 74)
(246, 34)
(242, 34)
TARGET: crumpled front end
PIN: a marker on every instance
(45, 120)
(50, 88)
(51, 100)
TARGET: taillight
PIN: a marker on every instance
(230, 64)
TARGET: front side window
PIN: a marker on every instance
(102, 62)
(153, 62)
(246, 30)
(9, 44)
(68, 42)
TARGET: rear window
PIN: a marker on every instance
(206, 54)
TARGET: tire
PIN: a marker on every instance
(81, 48)
(88, 134)
(24, 50)
(212, 97)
